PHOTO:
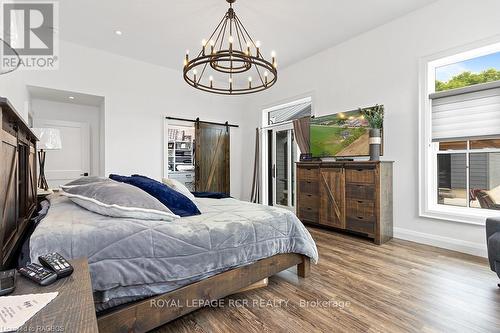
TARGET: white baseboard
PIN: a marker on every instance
(476, 249)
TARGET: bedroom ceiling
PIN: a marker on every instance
(159, 31)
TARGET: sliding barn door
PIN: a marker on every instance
(212, 158)
(332, 187)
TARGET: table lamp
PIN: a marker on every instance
(49, 139)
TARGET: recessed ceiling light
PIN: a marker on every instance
(71, 97)
(118, 32)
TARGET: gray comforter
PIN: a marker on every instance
(132, 258)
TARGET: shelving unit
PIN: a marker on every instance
(181, 155)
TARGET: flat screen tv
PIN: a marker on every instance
(343, 134)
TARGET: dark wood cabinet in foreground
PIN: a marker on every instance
(18, 179)
(351, 196)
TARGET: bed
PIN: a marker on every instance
(137, 264)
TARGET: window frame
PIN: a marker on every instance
(428, 151)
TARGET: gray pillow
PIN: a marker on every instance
(85, 181)
(117, 199)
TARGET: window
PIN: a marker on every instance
(468, 72)
(469, 173)
(460, 135)
(288, 112)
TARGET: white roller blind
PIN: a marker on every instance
(467, 112)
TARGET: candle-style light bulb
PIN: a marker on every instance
(266, 74)
(186, 59)
(211, 79)
(273, 56)
(195, 72)
(249, 52)
(203, 45)
(230, 84)
(249, 82)
(212, 46)
(257, 46)
(231, 41)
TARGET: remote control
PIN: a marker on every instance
(56, 262)
(7, 282)
(38, 274)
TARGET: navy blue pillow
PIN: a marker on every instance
(177, 202)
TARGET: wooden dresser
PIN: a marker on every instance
(351, 196)
(18, 177)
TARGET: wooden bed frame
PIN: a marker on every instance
(153, 312)
(18, 197)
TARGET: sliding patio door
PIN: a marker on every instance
(284, 156)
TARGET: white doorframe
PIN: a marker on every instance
(290, 165)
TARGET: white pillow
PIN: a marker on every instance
(179, 187)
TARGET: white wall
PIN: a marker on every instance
(50, 110)
(381, 66)
(137, 96)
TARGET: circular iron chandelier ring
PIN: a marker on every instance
(207, 59)
(238, 57)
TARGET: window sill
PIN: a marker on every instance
(475, 216)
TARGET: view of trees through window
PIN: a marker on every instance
(469, 72)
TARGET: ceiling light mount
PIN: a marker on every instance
(230, 52)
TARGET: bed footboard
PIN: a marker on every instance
(153, 312)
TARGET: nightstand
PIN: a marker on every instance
(73, 308)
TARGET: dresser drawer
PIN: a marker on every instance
(360, 224)
(308, 187)
(358, 207)
(308, 173)
(360, 191)
(308, 214)
(360, 175)
(308, 200)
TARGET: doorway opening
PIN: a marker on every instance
(197, 154)
(281, 152)
(80, 121)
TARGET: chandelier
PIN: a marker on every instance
(230, 61)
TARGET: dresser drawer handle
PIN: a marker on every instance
(309, 195)
(309, 208)
(360, 217)
(309, 182)
(360, 201)
(360, 170)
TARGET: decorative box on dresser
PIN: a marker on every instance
(351, 196)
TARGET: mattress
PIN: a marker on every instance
(131, 259)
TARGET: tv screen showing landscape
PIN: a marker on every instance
(344, 134)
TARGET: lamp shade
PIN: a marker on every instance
(50, 138)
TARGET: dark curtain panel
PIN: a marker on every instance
(301, 129)
(255, 197)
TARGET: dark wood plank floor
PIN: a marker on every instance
(360, 287)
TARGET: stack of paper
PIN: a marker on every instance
(16, 310)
